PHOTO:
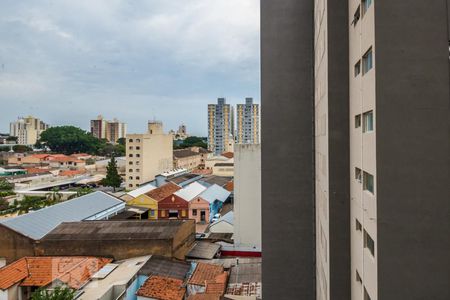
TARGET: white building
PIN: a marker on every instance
(27, 130)
(247, 196)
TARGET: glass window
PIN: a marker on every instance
(130, 140)
(357, 68)
(357, 121)
(369, 243)
(368, 121)
(358, 174)
(368, 182)
(194, 212)
(358, 225)
(356, 16)
(365, 6)
(152, 212)
(367, 61)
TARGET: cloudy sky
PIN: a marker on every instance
(68, 61)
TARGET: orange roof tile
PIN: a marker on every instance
(204, 272)
(36, 170)
(71, 172)
(40, 156)
(217, 285)
(230, 186)
(163, 191)
(13, 273)
(41, 271)
(162, 288)
(228, 154)
(204, 297)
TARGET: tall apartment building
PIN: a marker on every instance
(247, 119)
(363, 85)
(220, 127)
(27, 130)
(109, 130)
(148, 155)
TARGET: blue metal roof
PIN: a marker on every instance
(214, 193)
(38, 223)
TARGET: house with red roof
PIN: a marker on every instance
(173, 206)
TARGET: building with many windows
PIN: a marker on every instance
(148, 155)
(247, 119)
(109, 130)
(363, 86)
(27, 130)
(220, 127)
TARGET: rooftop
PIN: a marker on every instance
(224, 164)
(162, 288)
(182, 153)
(163, 191)
(38, 223)
(117, 230)
(204, 250)
(228, 154)
(185, 177)
(204, 272)
(191, 191)
(42, 271)
(141, 190)
(166, 267)
(214, 193)
(219, 180)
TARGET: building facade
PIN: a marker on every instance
(247, 119)
(148, 155)
(109, 130)
(220, 127)
(365, 90)
(27, 130)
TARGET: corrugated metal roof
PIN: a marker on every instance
(191, 191)
(228, 217)
(214, 193)
(142, 190)
(204, 250)
(38, 223)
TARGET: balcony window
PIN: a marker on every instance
(365, 6)
(368, 121)
(369, 243)
(356, 16)
(367, 61)
(358, 175)
(357, 68)
(357, 121)
(358, 225)
(368, 182)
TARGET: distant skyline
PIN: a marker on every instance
(66, 62)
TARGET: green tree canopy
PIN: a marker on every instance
(193, 141)
(6, 186)
(113, 178)
(21, 148)
(29, 203)
(69, 140)
(58, 293)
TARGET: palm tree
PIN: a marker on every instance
(29, 203)
(53, 197)
(81, 192)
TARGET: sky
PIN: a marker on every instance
(67, 61)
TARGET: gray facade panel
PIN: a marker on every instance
(412, 127)
(339, 149)
(287, 149)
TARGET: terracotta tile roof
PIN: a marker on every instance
(204, 272)
(13, 273)
(229, 186)
(71, 172)
(204, 297)
(80, 154)
(41, 271)
(217, 285)
(163, 191)
(36, 170)
(66, 159)
(162, 288)
(40, 156)
(228, 154)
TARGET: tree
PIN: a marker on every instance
(3, 204)
(6, 186)
(113, 178)
(58, 293)
(53, 197)
(81, 192)
(193, 141)
(12, 139)
(69, 140)
(21, 148)
(29, 203)
(122, 141)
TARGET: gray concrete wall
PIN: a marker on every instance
(412, 128)
(287, 149)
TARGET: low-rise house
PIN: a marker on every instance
(173, 207)
(82, 156)
(161, 288)
(120, 239)
(199, 210)
(143, 189)
(66, 162)
(211, 161)
(208, 279)
(224, 224)
(19, 279)
(118, 280)
(151, 199)
(190, 191)
(215, 196)
(223, 169)
(33, 159)
(186, 159)
(19, 234)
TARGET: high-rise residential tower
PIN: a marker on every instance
(363, 87)
(247, 119)
(220, 127)
(148, 155)
(109, 130)
(27, 130)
